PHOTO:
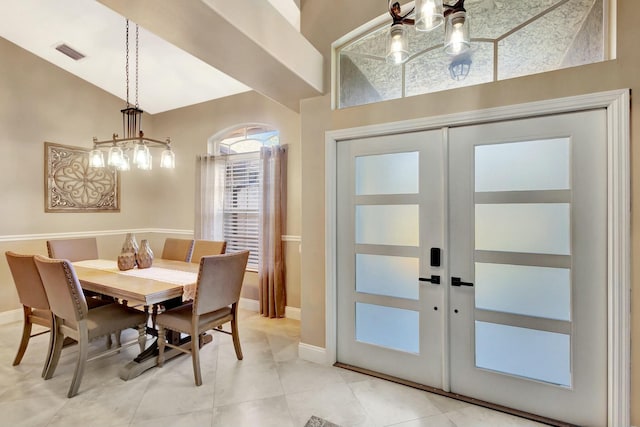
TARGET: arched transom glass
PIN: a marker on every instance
(509, 38)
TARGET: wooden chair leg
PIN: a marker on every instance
(195, 356)
(58, 340)
(83, 349)
(161, 344)
(26, 334)
(47, 361)
(109, 342)
(236, 337)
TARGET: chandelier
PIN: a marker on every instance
(133, 146)
(429, 15)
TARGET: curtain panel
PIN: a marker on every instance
(210, 177)
(272, 291)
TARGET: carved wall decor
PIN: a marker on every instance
(71, 185)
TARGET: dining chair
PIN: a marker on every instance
(35, 305)
(73, 249)
(215, 303)
(71, 317)
(205, 248)
(177, 249)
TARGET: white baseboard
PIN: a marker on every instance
(10, 316)
(254, 305)
(311, 353)
(292, 313)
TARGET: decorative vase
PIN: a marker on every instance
(130, 244)
(126, 260)
(144, 257)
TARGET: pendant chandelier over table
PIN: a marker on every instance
(133, 146)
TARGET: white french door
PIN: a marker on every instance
(390, 215)
(528, 229)
(519, 318)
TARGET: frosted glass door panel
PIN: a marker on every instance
(522, 166)
(395, 173)
(387, 225)
(389, 327)
(527, 290)
(542, 228)
(387, 275)
(528, 353)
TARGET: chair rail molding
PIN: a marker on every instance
(72, 234)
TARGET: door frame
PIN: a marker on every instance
(617, 104)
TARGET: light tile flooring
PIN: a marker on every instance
(270, 387)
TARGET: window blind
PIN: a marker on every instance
(241, 211)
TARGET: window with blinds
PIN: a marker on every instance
(242, 199)
(242, 216)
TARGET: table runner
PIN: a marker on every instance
(176, 277)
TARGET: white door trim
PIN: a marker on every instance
(617, 103)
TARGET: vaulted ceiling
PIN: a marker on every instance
(189, 51)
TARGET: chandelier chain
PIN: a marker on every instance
(137, 56)
(126, 66)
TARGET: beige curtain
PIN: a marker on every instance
(210, 172)
(272, 292)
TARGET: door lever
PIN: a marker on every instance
(433, 279)
(456, 281)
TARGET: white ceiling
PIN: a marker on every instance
(169, 77)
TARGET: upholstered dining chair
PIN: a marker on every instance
(73, 249)
(177, 249)
(205, 248)
(71, 317)
(215, 303)
(35, 305)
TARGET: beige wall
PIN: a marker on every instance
(323, 22)
(40, 103)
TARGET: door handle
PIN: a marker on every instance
(433, 279)
(456, 281)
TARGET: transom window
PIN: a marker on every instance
(509, 38)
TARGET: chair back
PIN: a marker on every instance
(219, 281)
(73, 249)
(63, 288)
(177, 249)
(27, 280)
(207, 247)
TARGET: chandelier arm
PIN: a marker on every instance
(456, 7)
(396, 13)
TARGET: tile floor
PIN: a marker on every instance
(270, 387)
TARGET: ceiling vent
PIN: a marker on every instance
(69, 51)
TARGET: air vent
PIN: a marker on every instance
(69, 51)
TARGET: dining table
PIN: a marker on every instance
(166, 283)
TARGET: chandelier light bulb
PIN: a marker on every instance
(457, 39)
(96, 158)
(397, 45)
(168, 159)
(115, 156)
(429, 14)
